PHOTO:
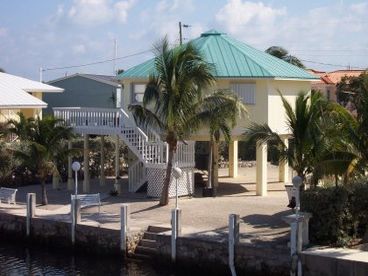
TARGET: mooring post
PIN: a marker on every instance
(175, 231)
(124, 224)
(31, 208)
(233, 240)
(76, 216)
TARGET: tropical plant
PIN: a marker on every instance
(42, 146)
(172, 97)
(305, 132)
(283, 54)
(220, 118)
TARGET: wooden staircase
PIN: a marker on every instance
(147, 247)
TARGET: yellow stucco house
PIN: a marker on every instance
(255, 76)
(19, 94)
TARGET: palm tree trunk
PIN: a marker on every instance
(214, 170)
(166, 185)
(210, 161)
(43, 192)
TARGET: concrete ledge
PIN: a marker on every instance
(335, 261)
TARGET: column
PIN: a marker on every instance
(284, 165)
(86, 186)
(70, 183)
(102, 172)
(117, 165)
(233, 158)
(215, 164)
(261, 176)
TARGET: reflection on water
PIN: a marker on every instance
(17, 260)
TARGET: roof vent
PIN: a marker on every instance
(211, 32)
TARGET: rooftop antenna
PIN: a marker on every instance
(114, 56)
(181, 26)
(41, 71)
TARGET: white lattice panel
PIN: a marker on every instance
(156, 178)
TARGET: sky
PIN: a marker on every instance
(326, 35)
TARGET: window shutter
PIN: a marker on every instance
(245, 91)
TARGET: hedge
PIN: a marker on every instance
(340, 214)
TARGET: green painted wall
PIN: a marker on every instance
(80, 92)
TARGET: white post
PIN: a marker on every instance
(102, 172)
(86, 186)
(31, 208)
(70, 172)
(124, 221)
(261, 177)
(175, 231)
(117, 165)
(233, 159)
(233, 240)
(75, 211)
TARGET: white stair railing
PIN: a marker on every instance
(137, 176)
(146, 145)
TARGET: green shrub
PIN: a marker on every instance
(359, 208)
(339, 213)
(332, 221)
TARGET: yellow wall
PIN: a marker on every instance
(268, 107)
(7, 114)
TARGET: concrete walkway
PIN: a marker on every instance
(260, 216)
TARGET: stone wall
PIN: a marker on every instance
(58, 234)
(262, 259)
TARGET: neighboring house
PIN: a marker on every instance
(255, 76)
(19, 94)
(329, 80)
(86, 90)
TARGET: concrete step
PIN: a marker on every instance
(149, 235)
(142, 256)
(157, 229)
(148, 243)
(143, 250)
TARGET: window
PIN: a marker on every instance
(138, 92)
(245, 91)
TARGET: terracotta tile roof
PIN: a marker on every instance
(336, 76)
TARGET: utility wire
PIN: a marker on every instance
(96, 62)
(330, 64)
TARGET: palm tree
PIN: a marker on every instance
(42, 148)
(220, 118)
(172, 96)
(283, 54)
(305, 132)
(21, 127)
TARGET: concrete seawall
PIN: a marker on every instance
(197, 252)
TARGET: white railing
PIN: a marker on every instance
(137, 176)
(185, 154)
(146, 145)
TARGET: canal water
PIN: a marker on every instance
(18, 260)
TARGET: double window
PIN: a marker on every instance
(245, 91)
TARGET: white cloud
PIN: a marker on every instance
(238, 15)
(79, 49)
(164, 21)
(122, 8)
(95, 12)
(86, 12)
(3, 31)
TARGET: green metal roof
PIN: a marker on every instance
(231, 59)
